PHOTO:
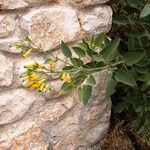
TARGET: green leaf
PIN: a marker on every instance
(120, 106)
(65, 49)
(98, 58)
(139, 109)
(48, 60)
(68, 68)
(131, 43)
(91, 53)
(143, 70)
(111, 85)
(147, 31)
(77, 62)
(85, 94)
(83, 46)
(146, 11)
(110, 50)
(91, 80)
(94, 64)
(79, 79)
(125, 77)
(120, 21)
(67, 87)
(134, 4)
(99, 39)
(133, 57)
(87, 49)
(80, 52)
(143, 62)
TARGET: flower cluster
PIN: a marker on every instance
(34, 77)
(37, 76)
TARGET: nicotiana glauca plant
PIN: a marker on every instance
(82, 62)
(125, 54)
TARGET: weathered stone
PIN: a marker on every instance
(38, 2)
(55, 109)
(55, 120)
(14, 104)
(97, 133)
(9, 33)
(81, 126)
(85, 3)
(10, 131)
(32, 139)
(96, 20)
(12, 4)
(18, 4)
(48, 26)
(6, 71)
(7, 25)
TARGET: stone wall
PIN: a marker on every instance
(33, 121)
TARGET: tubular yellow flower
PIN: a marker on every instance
(28, 84)
(36, 64)
(33, 76)
(38, 84)
(27, 53)
(29, 67)
(52, 66)
(66, 77)
(41, 88)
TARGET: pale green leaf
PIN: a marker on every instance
(133, 57)
(125, 77)
(65, 49)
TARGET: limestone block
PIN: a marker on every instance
(12, 4)
(9, 32)
(39, 2)
(19, 4)
(31, 139)
(14, 104)
(48, 26)
(81, 126)
(6, 71)
(85, 3)
(96, 20)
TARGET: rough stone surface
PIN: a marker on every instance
(9, 32)
(85, 3)
(7, 25)
(31, 120)
(6, 71)
(14, 104)
(81, 126)
(48, 26)
(31, 139)
(96, 20)
(39, 2)
(18, 4)
(12, 4)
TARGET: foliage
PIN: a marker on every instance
(131, 23)
(125, 54)
(81, 64)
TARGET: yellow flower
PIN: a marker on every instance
(34, 66)
(52, 66)
(66, 77)
(41, 88)
(38, 84)
(33, 76)
(28, 84)
(29, 66)
(27, 53)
